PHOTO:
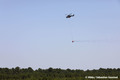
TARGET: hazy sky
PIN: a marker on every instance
(35, 33)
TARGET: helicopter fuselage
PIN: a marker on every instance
(69, 16)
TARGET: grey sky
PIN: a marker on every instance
(35, 33)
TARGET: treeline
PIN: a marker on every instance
(18, 73)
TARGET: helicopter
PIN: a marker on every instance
(70, 15)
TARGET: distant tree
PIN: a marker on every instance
(17, 69)
(30, 69)
(50, 69)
